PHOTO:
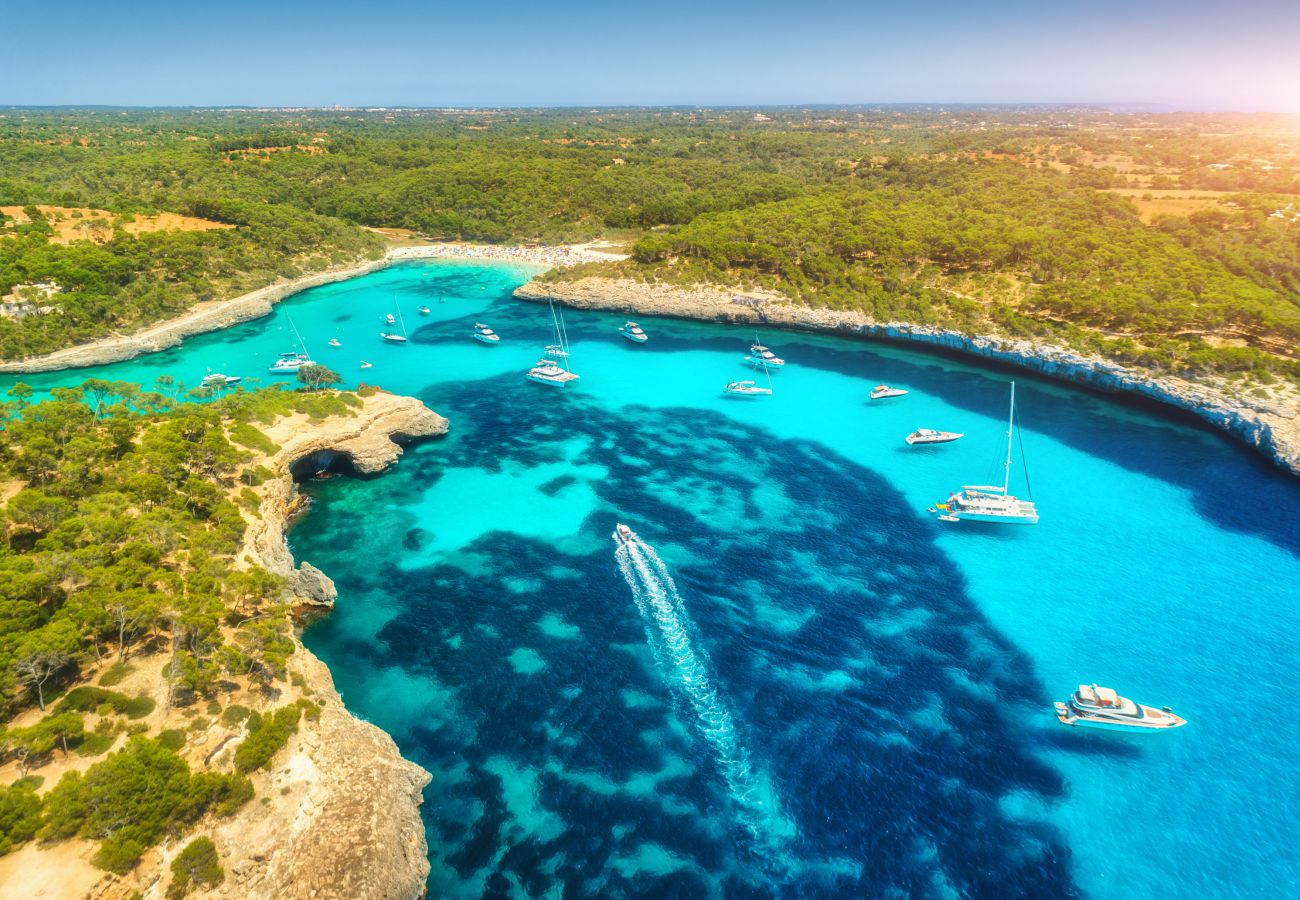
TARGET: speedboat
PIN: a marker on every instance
(216, 379)
(556, 351)
(290, 363)
(335, 342)
(422, 310)
(544, 371)
(390, 320)
(366, 365)
(884, 391)
(485, 335)
(761, 357)
(930, 436)
(623, 534)
(632, 331)
(746, 389)
(1092, 706)
(392, 337)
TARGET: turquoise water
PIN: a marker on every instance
(797, 683)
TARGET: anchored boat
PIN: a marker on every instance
(990, 503)
(761, 357)
(884, 392)
(216, 379)
(1092, 706)
(553, 369)
(632, 331)
(485, 335)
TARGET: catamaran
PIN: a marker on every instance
(633, 332)
(391, 336)
(1092, 706)
(553, 369)
(990, 503)
(761, 357)
(485, 335)
(289, 363)
(216, 379)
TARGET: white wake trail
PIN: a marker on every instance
(668, 629)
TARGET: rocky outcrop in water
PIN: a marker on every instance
(1270, 424)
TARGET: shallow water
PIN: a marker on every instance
(797, 683)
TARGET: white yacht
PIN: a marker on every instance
(555, 351)
(633, 332)
(884, 391)
(335, 342)
(924, 436)
(990, 503)
(761, 357)
(1092, 706)
(390, 320)
(290, 363)
(216, 379)
(485, 335)
(545, 371)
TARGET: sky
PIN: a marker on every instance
(1187, 54)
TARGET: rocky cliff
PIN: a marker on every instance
(1270, 424)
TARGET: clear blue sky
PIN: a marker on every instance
(1191, 54)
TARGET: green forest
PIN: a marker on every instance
(125, 513)
(1065, 223)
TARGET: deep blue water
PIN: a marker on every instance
(798, 684)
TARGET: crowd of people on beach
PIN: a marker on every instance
(559, 257)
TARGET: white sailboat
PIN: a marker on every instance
(289, 363)
(749, 388)
(391, 336)
(553, 369)
(990, 503)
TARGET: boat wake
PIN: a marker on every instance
(668, 630)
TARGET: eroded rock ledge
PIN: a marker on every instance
(343, 819)
(1270, 424)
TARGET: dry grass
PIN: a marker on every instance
(81, 224)
(1171, 202)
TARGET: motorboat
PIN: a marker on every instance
(216, 379)
(746, 389)
(761, 357)
(556, 351)
(390, 320)
(485, 335)
(393, 337)
(422, 310)
(924, 436)
(1093, 706)
(366, 365)
(544, 371)
(990, 503)
(624, 535)
(335, 342)
(632, 331)
(884, 391)
(290, 363)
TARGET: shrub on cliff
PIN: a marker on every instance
(20, 814)
(196, 865)
(265, 740)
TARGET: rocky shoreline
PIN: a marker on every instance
(345, 821)
(1269, 425)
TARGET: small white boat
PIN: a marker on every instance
(556, 351)
(624, 535)
(745, 389)
(392, 337)
(216, 379)
(485, 335)
(929, 436)
(632, 331)
(422, 310)
(335, 342)
(390, 320)
(761, 357)
(1092, 706)
(884, 391)
(547, 372)
(366, 365)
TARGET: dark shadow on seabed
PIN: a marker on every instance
(863, 682)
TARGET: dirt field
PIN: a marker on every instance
(1172, 202)
(81, 224)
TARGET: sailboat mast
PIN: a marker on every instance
(1011, 424)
